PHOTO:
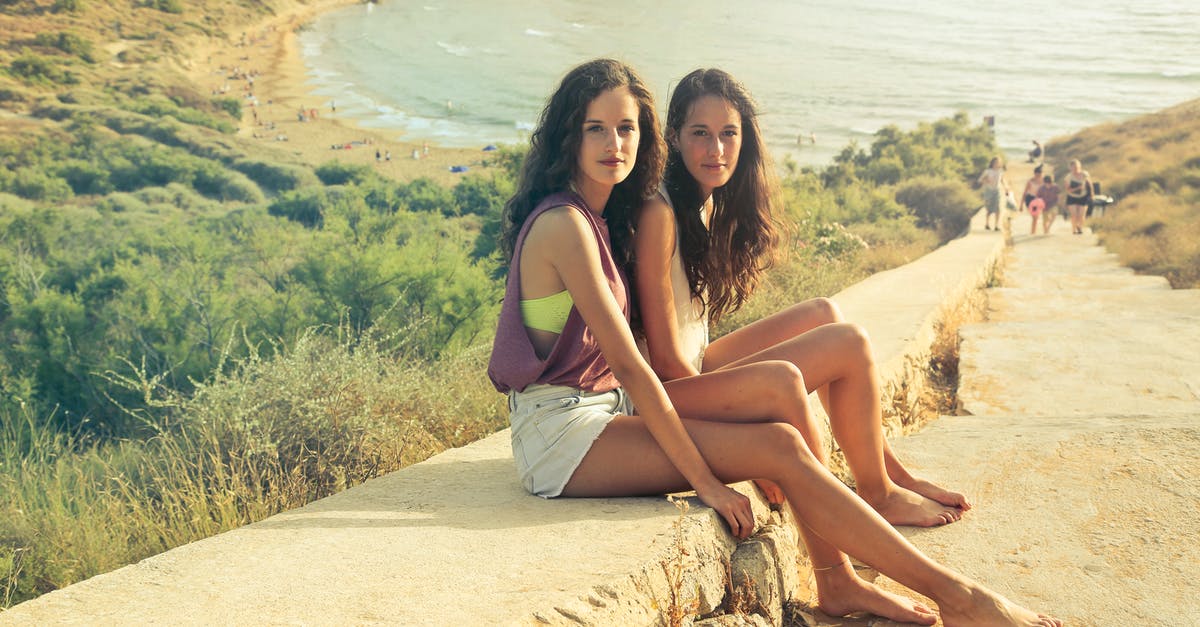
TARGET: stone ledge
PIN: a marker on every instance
(454, 540)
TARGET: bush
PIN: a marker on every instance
(305, 206)
(69, 43)
(275, 177)
(944, 206)
(35, 184)
(482, 196)
(34, 68)
(122, 202)
(85, 177)
(167, 6)
(338, 173)
(232, 106)
(426, 196)
(216, 181)
(67, 6)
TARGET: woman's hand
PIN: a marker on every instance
(732, 505)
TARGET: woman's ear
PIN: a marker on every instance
(672, 138)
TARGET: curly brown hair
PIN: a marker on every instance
(552, 160)
(725, 261)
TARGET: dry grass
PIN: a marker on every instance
(270, 434)
(1151, 165)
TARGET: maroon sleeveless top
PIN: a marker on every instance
(575, 361)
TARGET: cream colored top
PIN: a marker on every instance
(691, 314)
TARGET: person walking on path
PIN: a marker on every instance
(718, 198)
(566, 357)
(1079, 195)
(1031, 187)
(995, 187)
(1048, 193)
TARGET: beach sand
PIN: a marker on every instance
(269, 53)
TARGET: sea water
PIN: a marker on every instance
(825, 73)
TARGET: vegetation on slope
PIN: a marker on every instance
(1151, 165)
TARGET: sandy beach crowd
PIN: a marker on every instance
(263, 67)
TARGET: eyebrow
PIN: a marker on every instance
(594, 121)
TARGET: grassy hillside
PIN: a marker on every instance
(1151, 165)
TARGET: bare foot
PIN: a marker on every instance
(771, 490)
(904, 507)
(937, 493)
(841, 591)
(986, 609)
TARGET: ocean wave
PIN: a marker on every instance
(533, 32)
(455, 49)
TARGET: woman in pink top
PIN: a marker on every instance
(593, 154)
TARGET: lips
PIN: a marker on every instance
(612, 163)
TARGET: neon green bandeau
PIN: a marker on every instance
(548, 313)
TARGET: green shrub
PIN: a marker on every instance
(426, 196)
(338, 173)
(167, 6)
(162, 107)
(305, 206)
(482, 196)
(85, 177)
(36, 184)
(232, 106)
(69, 43)
(35, 68)
(943, 206)
(275, 177)
(216, 181)
(121, 202)
(66, 6)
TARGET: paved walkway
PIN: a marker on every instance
(1080, 439)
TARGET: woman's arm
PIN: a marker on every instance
(562, 240)
(654, 245)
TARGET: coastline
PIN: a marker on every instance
(264, 60)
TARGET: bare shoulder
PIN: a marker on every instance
(655, 212)
(559, 228)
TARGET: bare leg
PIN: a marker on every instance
(766, 391)
(838, 357)
(626, 461)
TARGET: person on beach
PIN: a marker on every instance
(1079, 195)
(565, 355)
(1031, 187)
(702, 243)
(1036, 153)
(994, 188)
(1048, 194)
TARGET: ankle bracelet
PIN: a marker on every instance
(824, 568)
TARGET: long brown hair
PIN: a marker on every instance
(552, 160)
(724, 262)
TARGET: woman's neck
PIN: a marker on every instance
(594, 194)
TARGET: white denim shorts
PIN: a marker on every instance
(553, 427)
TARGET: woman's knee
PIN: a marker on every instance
(787, 445)
(785, 379)
(818, 311)
(827, 310)
(855, 340)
